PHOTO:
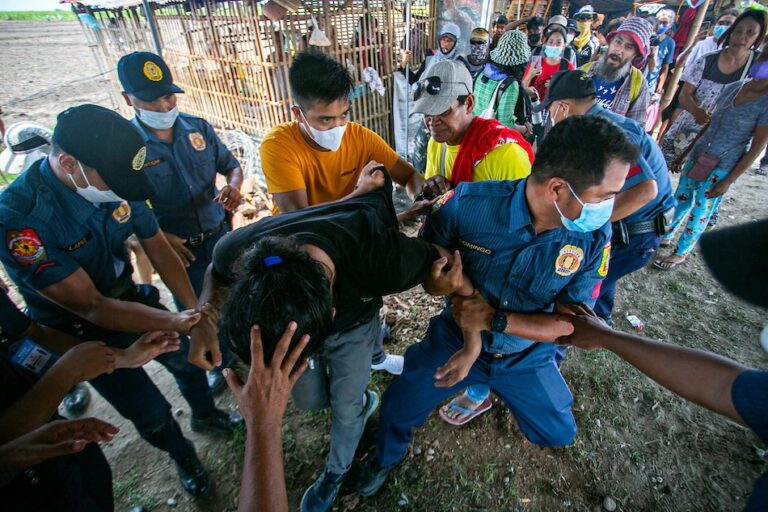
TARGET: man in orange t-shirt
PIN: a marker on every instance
(320, 157)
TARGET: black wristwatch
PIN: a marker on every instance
(499, 322)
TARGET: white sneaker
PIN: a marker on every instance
(392, 364)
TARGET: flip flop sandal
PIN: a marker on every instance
(671, 265)
(470, 414)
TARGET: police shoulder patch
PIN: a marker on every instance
(122, 213)
(25, 246)
(568, 260)
(602, 270)
(442, 200)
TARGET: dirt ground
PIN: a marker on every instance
(641, 446)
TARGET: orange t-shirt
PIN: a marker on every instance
(289, 162)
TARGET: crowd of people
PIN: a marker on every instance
(525, 234)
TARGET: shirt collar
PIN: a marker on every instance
(596, 109)
(70, 201)
(520, 214)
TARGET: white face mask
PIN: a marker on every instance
(158, 120)
(764, 338)
(569, 39)
(93, 194)
(328, 139)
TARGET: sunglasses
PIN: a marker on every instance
(432, 86)
(584, 17)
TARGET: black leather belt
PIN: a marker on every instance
(198, 239)
(639, 228)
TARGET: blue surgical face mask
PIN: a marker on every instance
(662, 29)
(592, 216)
(552, 52)
(719, 30)
(158, 120)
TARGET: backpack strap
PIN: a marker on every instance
(500, 91)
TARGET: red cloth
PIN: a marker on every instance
(482, 137)
(547, 70)
(681, 34)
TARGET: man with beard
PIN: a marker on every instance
(621, 87)
(479, 49)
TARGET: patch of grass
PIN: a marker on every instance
(677, 286)
(127, 490)
(55, 15)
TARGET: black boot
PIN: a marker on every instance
(192, 475)
(77, 400)
(217, 421)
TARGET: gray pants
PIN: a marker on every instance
(339, 379)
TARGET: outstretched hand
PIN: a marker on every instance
(55, 439)
(588, 332)
(264, 395)
(146, 348)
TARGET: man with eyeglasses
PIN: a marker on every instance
(464, 147)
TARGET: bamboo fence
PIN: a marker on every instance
(232, 61)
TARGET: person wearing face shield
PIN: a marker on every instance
(644, 208)
(323, 157)
(65, 221)
(736, 258)
(184, 156)
(535, 246)
(621, 86)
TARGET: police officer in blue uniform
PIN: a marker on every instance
(537, 245)
(645, 206)
(184, 154)
(65, 221)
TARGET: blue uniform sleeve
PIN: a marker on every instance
(585, 286)
(441, 225)
(13, 322)
(31, 255)
(144, 220)
(750, 398)
(225, 160)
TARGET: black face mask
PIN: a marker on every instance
(534, 39)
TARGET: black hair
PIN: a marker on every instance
(755, 14)
(564, 152)
(462, 99)
(535, 22)
(296, 289)
(316, 77)
(727, 12)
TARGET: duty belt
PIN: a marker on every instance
(639, 228)
(198, 239)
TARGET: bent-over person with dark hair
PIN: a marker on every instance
(307, 266)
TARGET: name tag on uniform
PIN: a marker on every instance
(33, 357)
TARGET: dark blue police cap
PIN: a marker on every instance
(146, 76)
(104, 140)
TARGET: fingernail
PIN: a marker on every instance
(292, 326)
(256, 328)
(225, 372)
